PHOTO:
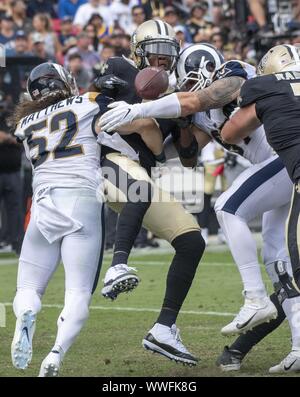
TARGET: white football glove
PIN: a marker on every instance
(121, 113)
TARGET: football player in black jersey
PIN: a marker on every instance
(129, 157)
(273, 99)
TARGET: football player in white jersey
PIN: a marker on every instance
(58, 133)
(254, 193)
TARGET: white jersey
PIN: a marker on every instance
(255, 147)
(60, 142)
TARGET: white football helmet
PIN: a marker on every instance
(196, 66)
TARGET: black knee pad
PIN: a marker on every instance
(190, 244)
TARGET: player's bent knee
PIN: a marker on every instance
(190, 244)
(77, 304)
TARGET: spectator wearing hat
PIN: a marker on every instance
(82, 77)
(21, 47)
(68, 8)
(18, 14)
(39, 48)
(41, 6)
(85, 11)
(138, 16)
(7, 32)
(89, 57)
(200, 29)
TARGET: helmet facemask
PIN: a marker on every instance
(156, 48)
(154, 43)
(198, 79)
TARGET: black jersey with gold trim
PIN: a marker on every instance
(277, 104)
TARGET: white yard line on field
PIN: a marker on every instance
(11, 261)
(138, 309)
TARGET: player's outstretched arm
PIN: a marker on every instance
(175, 105)
(241, 124)
(217, 95)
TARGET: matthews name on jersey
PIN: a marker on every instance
(255, 147)
(277, 104)
(60, 140)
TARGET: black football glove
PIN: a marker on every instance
(109, 82)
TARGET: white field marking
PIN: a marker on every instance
(162, 263)
(7, 262)
(138, 309)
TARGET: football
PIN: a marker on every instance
(151, 82)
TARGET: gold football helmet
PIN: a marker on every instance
(281, 58)
(154, 38)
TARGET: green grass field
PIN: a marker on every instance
(110, 343)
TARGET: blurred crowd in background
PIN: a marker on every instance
(83, 34)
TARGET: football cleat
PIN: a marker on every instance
(254, 312)
(118, 279)
(230, 360)
(51, 365)
(289, 364)
(21, 347)
(166, 341)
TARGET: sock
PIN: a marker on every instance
(291, 308)
(26, 299)
(245, 342)
(58, 349)
(129, 224)
(243, 249)
(189, 250)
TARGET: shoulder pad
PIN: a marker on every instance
(234, 68)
